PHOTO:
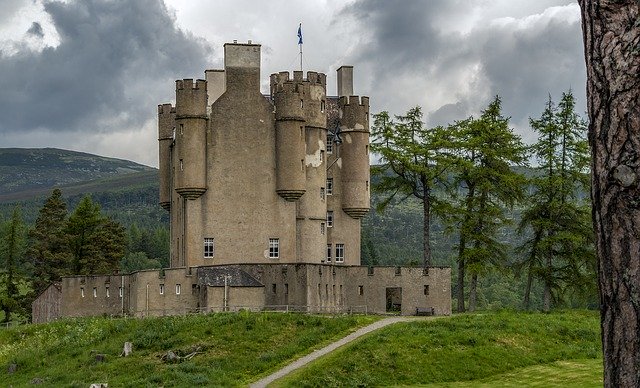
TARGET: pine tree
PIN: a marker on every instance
(12, 250)
(49, 253)
(487, 151)
(560, 250)
(414, 161)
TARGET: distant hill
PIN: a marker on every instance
(32, 170)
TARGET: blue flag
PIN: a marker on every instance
(300, 34)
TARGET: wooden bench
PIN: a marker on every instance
(424, 311)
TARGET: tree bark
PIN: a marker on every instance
(611, 31)
(473, 286)
(527, 291)
(426, 231)
(461, 274)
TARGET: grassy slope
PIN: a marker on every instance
(467, 348)
(235, 348)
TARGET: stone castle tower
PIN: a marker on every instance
(249, 178)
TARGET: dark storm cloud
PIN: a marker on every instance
(105, 69)
(521, 60)
(35, 30)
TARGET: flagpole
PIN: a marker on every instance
(300, 43)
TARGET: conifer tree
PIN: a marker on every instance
(48, 252)
(487, 151)
(560, 250)
(12, 250)
(414, 160)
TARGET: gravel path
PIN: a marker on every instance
(331, 347)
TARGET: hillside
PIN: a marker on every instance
(25, 170)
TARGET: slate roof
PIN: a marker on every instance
(214, 277)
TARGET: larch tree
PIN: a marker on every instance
(611, 32)
(559, 251)
(12, 249)
(487, 151)
(413, 162)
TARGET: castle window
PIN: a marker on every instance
(82, 291)
(321, 156)
(273, 288)
(181, 165)
(162, 289)
(95, 292)
(322, 193)
(366, 150)
(322, 106)
(209, 248)
(339, 253)
(329, 252)
(107, 291)
(322, 228)
(120, 291)
(274, 248)
(426, 289)
(286, 288)
(182, 129)
(178, 289)
(301, 103)
(329, 186)
(367, 183)
(302, 164)
(329, 145)
(360, 290)
(329, 219)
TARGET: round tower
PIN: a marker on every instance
(290, 137)
(355, 155)
(190, 139)
(166, 127)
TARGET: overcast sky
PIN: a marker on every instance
(88, 75)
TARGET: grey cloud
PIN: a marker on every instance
(35, 30)
(107, 65)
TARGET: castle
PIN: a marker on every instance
(266, 194)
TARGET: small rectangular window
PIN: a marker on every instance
(120, 291)
(329, 144)
(426, 289)
(339, 253)
(181, 165)
(178, 289)
(209, 248)
(329, 252)
(321, 156)
(360, 290)
(106, 290)
(82, 291)
(329, 186)
(182, 129)
(322, 106)
(322, 193)
(322, 228)
(286, 288)
(329, 219)
(162, 289)
(95, 292)
(274, 248)
(273, 288)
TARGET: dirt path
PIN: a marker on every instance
(331, 347)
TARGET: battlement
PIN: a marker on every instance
(357, 100)
(164, 109)
(188, 83)
(283, 77)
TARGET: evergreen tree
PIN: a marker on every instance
(96, 243)
(560, 250)
(48, 252)
(12, 250)
(487, 152)
(414, 160)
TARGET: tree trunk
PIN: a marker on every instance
(472, 292)
(426, 235)
(611, 31)
(527, 291)
(460, 295)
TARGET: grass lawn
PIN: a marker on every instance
(496, 349)
(233, 349)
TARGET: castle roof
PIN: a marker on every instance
(215, 276)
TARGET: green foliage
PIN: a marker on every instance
(460, 348)
(233, 349)
(560, 252)
(12, 250)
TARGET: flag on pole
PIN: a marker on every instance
(300, 34)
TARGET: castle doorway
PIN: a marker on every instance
(394, 299)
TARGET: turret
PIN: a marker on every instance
(166, 128)
(354, 130)
(290, 137)
(190, 142)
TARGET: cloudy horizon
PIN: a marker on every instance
(88, 75)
